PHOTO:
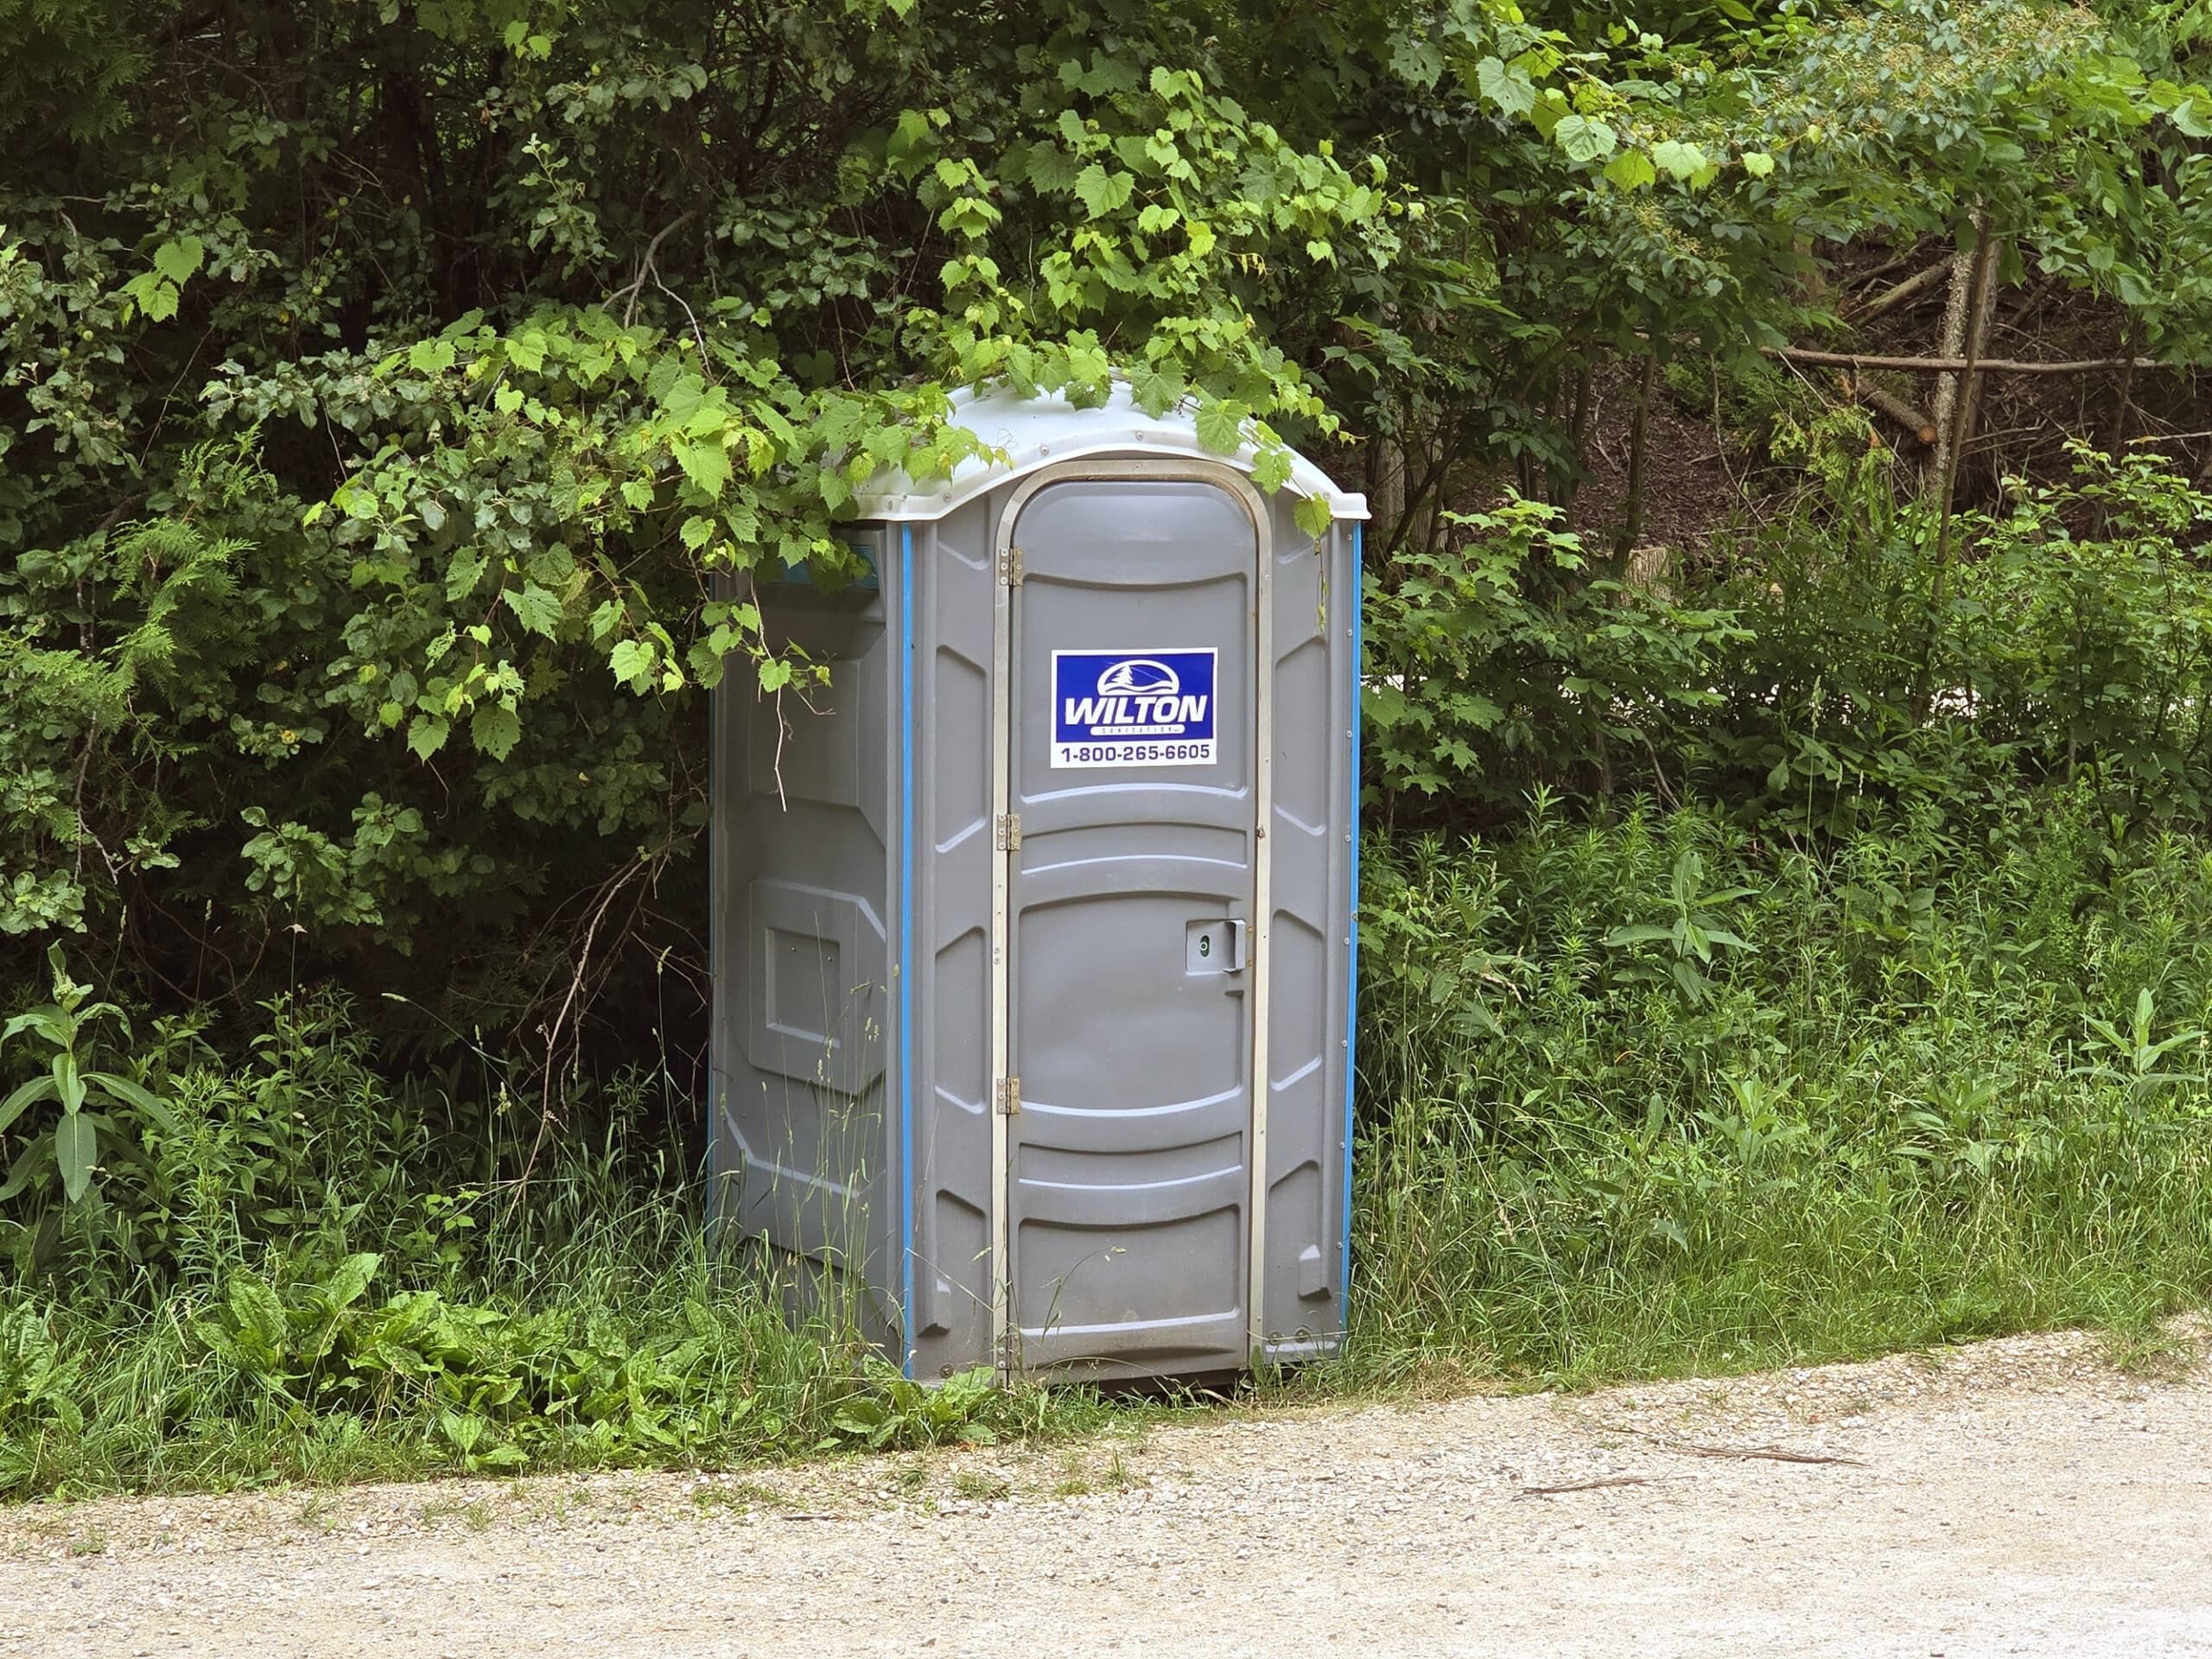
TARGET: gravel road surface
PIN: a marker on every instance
(2018, 1496)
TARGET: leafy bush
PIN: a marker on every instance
(1502, 657)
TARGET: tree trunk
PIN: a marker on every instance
(1957, 302)
(1953, 440)
(1978, 313)
(1577, 432)
(1387, 484)
(1632, 507)
(2121, 408)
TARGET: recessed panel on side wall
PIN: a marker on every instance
(802, 843)
(1309, 841)
(955, 582)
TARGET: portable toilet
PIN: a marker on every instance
(1034, 932)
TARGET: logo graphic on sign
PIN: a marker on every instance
(1132, 708)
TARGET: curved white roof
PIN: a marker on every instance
(1035, 432)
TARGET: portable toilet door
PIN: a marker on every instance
(1126, 774)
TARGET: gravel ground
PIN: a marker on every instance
(2024, 1496)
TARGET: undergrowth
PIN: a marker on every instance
(287, 1269)
(1665, 1097)
(1656, 1096)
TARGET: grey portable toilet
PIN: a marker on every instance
(1034, 932)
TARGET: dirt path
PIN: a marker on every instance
(2016, 1497)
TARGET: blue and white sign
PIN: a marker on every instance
(1132, 708)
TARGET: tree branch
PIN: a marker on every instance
(646, 269)
(1958, 365)
(1889, 300)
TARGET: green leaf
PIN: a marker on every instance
(1631, 169)
(1508, 89)
(683, 395)
(1100, 192)
(38, 1088)
(632, 661)
(2193, 117)
(426, 735)
(1586, 140)
(76, 1142)
(254, 1305)
(153, 294)
(861, 1417)
(1757, 163)
(1416, 60)
(534, 607)
(494, 728)
(430, 356)
(463, 571)
(181, 259)
(130, 1094)
(350, 1279)
(1678, 160)
(1052, 168)
(527, 351)
(1385, 705)
(707, 465)
(1314, 515)
(1221, 425)
(30, 1164)
(69, 1087)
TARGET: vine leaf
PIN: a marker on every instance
(494, 728)
(534, 607)
(1102, 192)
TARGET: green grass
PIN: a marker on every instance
(618, 1358)
(1912, 1106)
(1913, 1090)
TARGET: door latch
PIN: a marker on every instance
(1217, 947)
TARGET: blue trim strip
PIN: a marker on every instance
(906, 941)
(1351, 933)
(717, 986)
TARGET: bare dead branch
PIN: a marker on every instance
(1888, 300)
(1958, 365)
(646, 271)
(1917, 422)
(1762, 1453)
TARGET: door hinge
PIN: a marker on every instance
(1010, 566)
(1006, 832)
(1007, 1092)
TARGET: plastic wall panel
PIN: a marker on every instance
(1309, 841)
(805, 1120)
(955, 589)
